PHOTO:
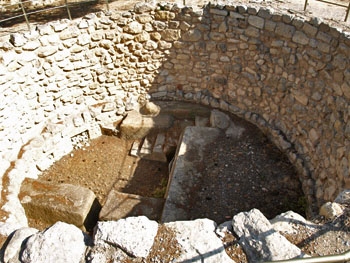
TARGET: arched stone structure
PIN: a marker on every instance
(287, 75)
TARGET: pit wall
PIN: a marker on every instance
(290, 76)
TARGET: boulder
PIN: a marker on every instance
(259, 240)
(134, 235)
(331, 210)
(16, 241)
(61, 243)
(198, 241)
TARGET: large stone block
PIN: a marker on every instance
(50, 203)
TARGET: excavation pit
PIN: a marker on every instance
(239, 169)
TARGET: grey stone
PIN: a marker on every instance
(259, 239)
(61, 243)
(343, 198)
(135, 235)
(220, 120)
(192, 35)
(184, 174)
(300, 38)
(284, 30)
(256, 21)
(199, 242)
(14, 246)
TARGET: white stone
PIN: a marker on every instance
(331, 210)
(135, 235)
(260, 241)
(198, 241)
(14, 246)
(61, 243)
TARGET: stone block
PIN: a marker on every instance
(184, 172)
(50, 203)
(121, 205)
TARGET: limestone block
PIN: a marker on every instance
(133, 28)
(184, 172)
(259, 239)
(120, 205)
(300, 38)
(284, 30)
(49, 203)
(256, 21)
(331, 210)
(46, 51)
(134, 126)
(13, 248)
(198, 241)
(17, 39)
(192, 35)
(55, 245)
(134, 235)
(343, 198)
(219, 119)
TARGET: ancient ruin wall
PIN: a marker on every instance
(288, 75)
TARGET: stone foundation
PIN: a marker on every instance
(287, 75)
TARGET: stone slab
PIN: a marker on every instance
(50, 203)
(121, 205)
(183, 174)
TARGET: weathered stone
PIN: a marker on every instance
(184, 174)
(17, 39)
(142, 7)
(170, 34)
(55, 245)
(16, 243)
(133, 28)
(46, 51)
(50, 203)
(192, 35)
(135, 235)
(198, 241)
(284, 30)
(256, 21)
(343, 198)
(300, 38)
(258, 238)
(331, 210)
(219, 120)
(70, 32)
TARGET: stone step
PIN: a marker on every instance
(49, 203)
(121, 205)
(151, 148)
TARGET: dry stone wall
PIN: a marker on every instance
(288, 75)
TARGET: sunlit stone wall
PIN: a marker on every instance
(287, 75)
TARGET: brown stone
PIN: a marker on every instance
(50, 203)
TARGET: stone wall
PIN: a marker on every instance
(288, 75)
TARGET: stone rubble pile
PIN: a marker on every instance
(200, 240)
